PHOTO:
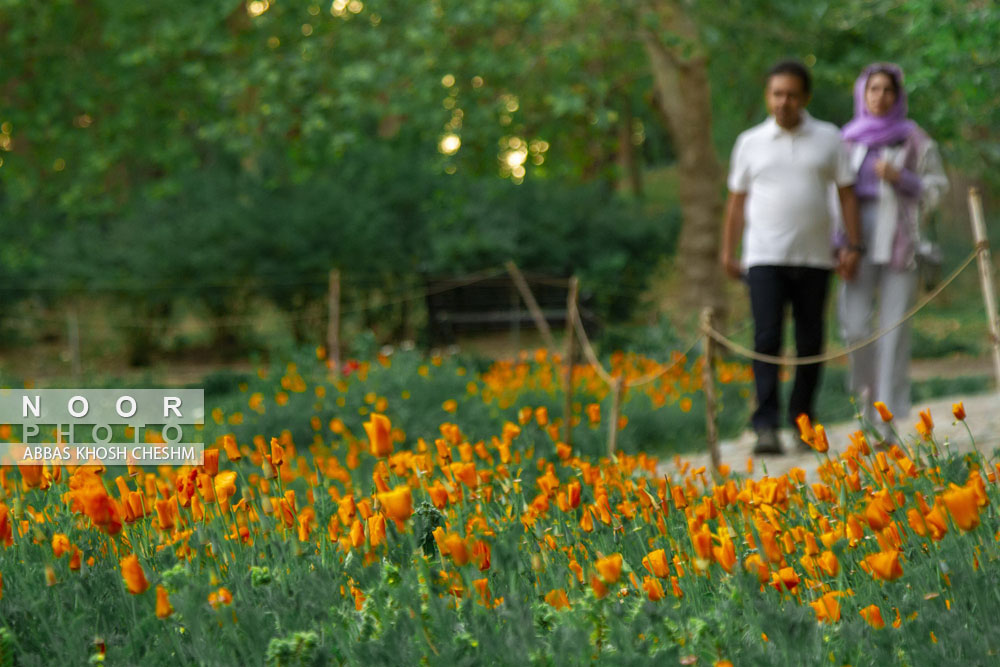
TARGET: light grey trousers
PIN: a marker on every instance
(878, 295)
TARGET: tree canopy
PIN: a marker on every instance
(114, 112)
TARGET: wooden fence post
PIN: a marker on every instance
(986, 277)
(708, 386)
(531, 302)
(73, 334)
(569, 354)
(333, 323)
(616, 410)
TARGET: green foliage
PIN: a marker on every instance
(415, 392)
(407, 610)
(428, 518)
(7, 646)
(260, 575)
(942, 46)
(300, 649)
(217, 153)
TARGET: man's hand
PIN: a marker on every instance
(847, 263)
(731, 267)
(732, 231)
(847, 258)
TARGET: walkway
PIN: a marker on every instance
(982, 416)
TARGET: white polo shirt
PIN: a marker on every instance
(786, 175)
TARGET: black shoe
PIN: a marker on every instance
(767, 442)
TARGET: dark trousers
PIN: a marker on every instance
(772, 288)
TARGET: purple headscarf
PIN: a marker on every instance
(871, 130)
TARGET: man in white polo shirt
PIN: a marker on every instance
(779, 179)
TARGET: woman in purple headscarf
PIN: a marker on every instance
(899, 179)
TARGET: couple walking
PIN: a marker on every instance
(886, 172)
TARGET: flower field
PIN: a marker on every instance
(413, 510)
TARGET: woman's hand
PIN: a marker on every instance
(886, 171)
(847, 263)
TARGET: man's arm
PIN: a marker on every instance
(850, 255)
(732, 232)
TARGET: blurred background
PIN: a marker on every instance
(180, 182)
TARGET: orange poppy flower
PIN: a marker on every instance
(573, 490)
(211, 464)
(455, 546)
(60, 544)
(481, 555)
(225, 485)
(657, 564)
(827, 608)
(725, 555)
(883, 411)
(594, 413)
(483, 588)
(600, 590)
(357, 534)
(586, 521)
(379, 430)
(277, 453)
(820, 443)
(806, 431)
(884, 565)
(925, 419)
(653, 588)
(702, 542)
(563, 451)
(74, 558)
(466, 473)
(876, 514)
(557, 598)
(398, 503)
(963, 505)
(873, 615)
(164, 514)
(829, 564)
(376, 529)
(754, 563)
(785, 579)
(135, 578)
(220, 597)
(359, 598)
(32, 476)
(610, 568)
(232, 449)
(524, 414)
(163, 607)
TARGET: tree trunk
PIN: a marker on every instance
(683, 99)
(629, 170)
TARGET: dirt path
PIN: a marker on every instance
(982, 416)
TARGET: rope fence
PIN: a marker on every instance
(708, 334)
(247, 320)
(836, 354)
(609, 379)
(712, 336)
